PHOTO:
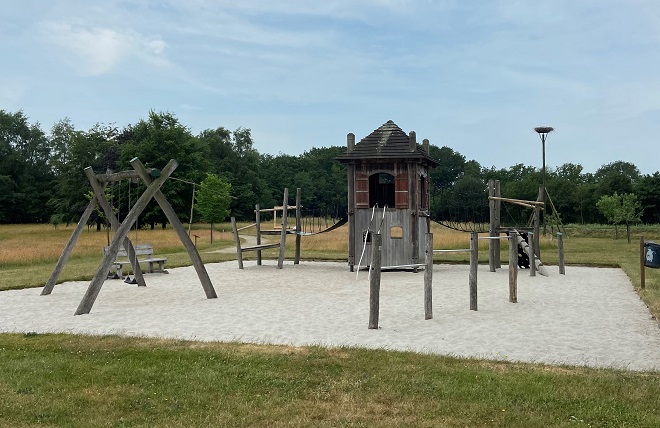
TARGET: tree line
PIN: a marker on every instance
(42, 175)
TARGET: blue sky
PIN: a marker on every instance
(476, 76)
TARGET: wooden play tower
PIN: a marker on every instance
(388, 193)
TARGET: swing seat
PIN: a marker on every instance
(140, 250)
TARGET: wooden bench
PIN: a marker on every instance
(140, 250)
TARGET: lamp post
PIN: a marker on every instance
(543, 132)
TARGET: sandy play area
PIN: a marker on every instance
(589, 316)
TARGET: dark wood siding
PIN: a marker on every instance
(401, 189)
(361, 190)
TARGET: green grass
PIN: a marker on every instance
(59, 380)
(65, 380)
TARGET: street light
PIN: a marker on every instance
(543, 132)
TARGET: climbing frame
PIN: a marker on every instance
(282, 231)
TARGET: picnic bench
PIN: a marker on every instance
(140, 250)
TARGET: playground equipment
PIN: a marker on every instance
(375, 273)
(387, 169)
(153, 179)
(495, 229)
(282, 230)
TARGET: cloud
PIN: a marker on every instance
(98, 50)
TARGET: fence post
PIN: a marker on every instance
(374, 282)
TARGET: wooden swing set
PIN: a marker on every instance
(153, 179)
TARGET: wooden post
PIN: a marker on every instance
(374, 280)
(642, 273)
(296, 259)
(428, 278)
(560, 248)
(64, 257)
(257, 218)
(532, 256)
(494, 244)
(474, 263)
(285, 205)
(94, 288)
(350, 171)
(537, 223)
(169, 212)
(413, 173)
(237, 241)
(513, 267)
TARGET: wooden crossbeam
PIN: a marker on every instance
(111, 177)
(529, 204)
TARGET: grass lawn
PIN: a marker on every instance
(65, 380)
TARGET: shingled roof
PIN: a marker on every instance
(387, 142)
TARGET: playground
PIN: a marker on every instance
(590, 316)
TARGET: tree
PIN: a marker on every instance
(648, 191)
(620, 209)
(630, 211)
(213, 200)
(25, 175)
(75, 151)
(155, 141)
(451, 166)
(617, 177)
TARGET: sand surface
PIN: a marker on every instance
(590, 316)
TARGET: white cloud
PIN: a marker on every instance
(99, 50)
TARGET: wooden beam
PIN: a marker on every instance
(176, 224)
(530, 253)
(296, 259)
(285, 205)
(428, 277)
(513, 266)
(237, 241)
(516, 201)
(474, 264)
(110, 177)
(374, 281)
(48, 288)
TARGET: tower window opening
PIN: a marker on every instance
(381, 190)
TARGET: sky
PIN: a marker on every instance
(474, 75)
